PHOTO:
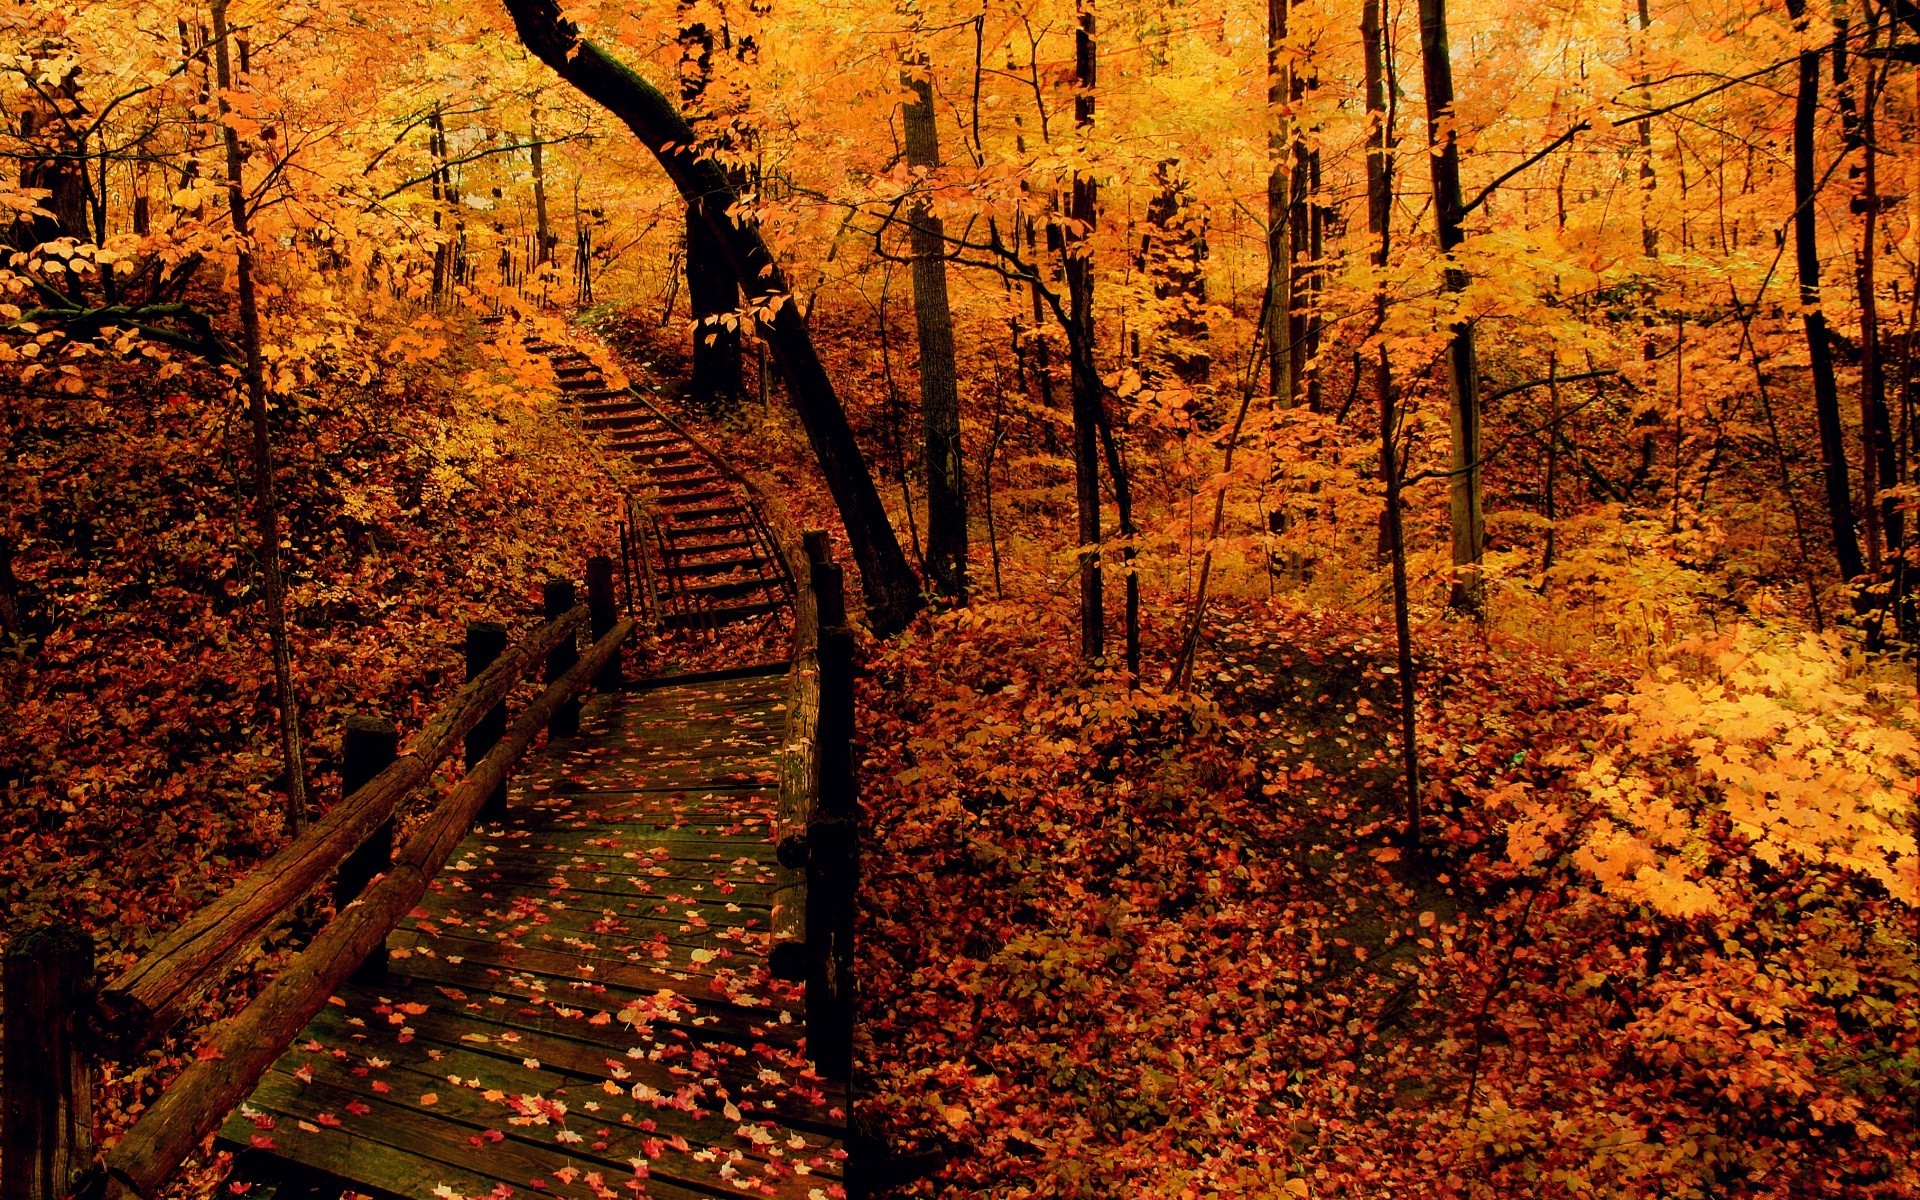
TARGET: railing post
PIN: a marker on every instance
(369, 746)
(603, 612)
(833, 863)
(558, 599)
(46, 1100)
(486, 641)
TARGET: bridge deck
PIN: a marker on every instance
(581, 1006)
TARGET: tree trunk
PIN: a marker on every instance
(892, 592)
(54, 157)
(266, 508)
(1649, 233)
(1077, 246)
(713, 292)
(543, 239)
(1881, 469)
(1463, 368)
(713, 288)
(939, 393)
(1380, 224)
(1826, 391)
(1281, 380)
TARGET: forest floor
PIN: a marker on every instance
(1121, 941)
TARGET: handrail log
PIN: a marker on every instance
(239, 1050)
(150, 996)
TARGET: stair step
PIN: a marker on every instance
(677, 503)
(726, 615)
(643, 452)
(677, 533)
(677, 547)
(682, 486)
(648, 439)
(725, 566)
(695, 514)
(732, 589)
(613, 408)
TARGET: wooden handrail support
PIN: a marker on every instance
(150, 996)
(240, 1049)
(817, 836)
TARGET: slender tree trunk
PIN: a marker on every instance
(266, 509)
(1553, 463)
(1880, 471)
(1463, 368)
(1312, 324)
(1380, 224)
(713, 287)
(939, 392)
(1077, 246)
(543, 238)
(1826, 391)
(442, 249)
(1649, 234)
(886, 579)
(1281, 379)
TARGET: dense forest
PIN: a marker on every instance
(1380, 574)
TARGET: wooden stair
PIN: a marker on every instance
(694, 494)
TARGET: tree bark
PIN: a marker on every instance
(1380, 224)
(266, 507)
(939, 391)
(1463, 367)
(543, 239)
(1826, 390)
(892, 593)
(713, 287)
(1881, 470)
(1281, 380)
(1077, 246)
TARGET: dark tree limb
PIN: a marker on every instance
(892, 593)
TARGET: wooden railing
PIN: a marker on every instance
(56, 1020)
(817, 834)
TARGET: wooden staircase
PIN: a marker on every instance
(702, 547)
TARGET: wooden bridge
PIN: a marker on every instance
(619, 968)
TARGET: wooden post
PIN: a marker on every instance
(833, 831)
(603, 610)
(370, 745)
(486, 641)
(46, 1101)
(558, 598)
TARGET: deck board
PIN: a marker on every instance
(580, 1006)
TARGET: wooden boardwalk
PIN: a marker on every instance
(581, 1005)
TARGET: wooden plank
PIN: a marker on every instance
(689, 1103)
(460, 1114)
(717, 1020)
(720, 982)
(373, 1167)
(431, 1142)
(507, 1003)
(451, 1029)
